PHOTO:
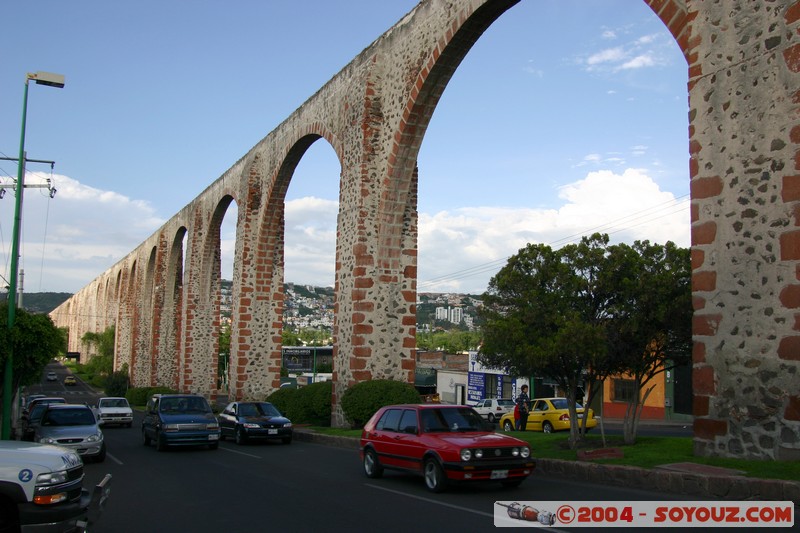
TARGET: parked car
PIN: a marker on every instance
(179, 420)
(70, 380)
(443, 443)
(74, 427)
(115, 410)
(52, 376)
(548, 415)
(494, 408)
(254, 420)
(42, 400)
(30, 421)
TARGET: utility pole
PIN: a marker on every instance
(52, 80)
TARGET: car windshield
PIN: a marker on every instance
(38, 411)
(258, 409)
(184, 405)
(114, 402)
(505, 403)
(451, 419)
(561, 403)
(68, 417)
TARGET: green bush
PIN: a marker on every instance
(117, 383)
(140, 395)
(307, 405)
(282, 399)
(360, 401)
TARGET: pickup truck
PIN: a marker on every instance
(41, 489)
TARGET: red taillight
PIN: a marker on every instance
(564, 417)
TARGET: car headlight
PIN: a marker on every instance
(250, 425)
(287, 425)
(525, 452)
(466, 455)
(515, 452)
(48, 440)
(51, 478)
(170, 427)
(478, 454)
(212, 426)
(94, 438)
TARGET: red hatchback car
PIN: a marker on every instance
(443, 443)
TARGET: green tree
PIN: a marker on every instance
(651, 328)
(34, 339)
(101, 365)
(543, 316)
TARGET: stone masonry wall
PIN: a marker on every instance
(743, 61)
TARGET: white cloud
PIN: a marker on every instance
(459, 250)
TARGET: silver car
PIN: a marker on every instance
(74, 427)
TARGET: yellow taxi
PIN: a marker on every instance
(70, 380)
(548, 415)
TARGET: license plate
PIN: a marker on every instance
(213, 436)
(499, 474)
(272, 431)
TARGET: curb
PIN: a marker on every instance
(691, 484)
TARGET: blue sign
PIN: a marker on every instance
(476, 387)
(25, 475)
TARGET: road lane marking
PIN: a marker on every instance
(430, 500)
(114, 459)
(240, 453)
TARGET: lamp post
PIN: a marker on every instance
(41, 78)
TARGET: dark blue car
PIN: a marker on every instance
(179, 420)
(254, 420)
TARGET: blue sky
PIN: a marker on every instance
(566, 117)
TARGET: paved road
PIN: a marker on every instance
(302, 487)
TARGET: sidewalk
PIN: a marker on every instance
(690, 479)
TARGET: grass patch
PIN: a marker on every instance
(648, 452)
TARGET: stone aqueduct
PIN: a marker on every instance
(743, 60)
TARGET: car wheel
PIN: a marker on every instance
(547, 427)
(508, 426)
(434, 476)
(161, 445)
(145, 438)
(491, 417)
(372, 468)
(240, 436)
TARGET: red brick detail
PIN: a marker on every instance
(792, 14)
(364, 283)
(410, 342)
(694, 212)
(362, 351)
(708, 428)
(698, 258)
(359, 318)
(704, 281)
(700, 405)
(706, 325)
(357, 363)
(698, 303)
(704, 233)
(703, 381)
(362, 329)
(791, 188)
(790, 297)
(706, 187)
(792, 57)
(699, 352)
(792, 411)
(796, 322)
(790, 246)
(362, 375)
(789, 348)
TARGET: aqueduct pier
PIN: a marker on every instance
(743, 61)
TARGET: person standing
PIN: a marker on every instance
(524, 404)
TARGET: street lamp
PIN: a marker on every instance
(41, 78)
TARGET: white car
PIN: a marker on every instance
(115, 410)
(494, 408)
(52, 376)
